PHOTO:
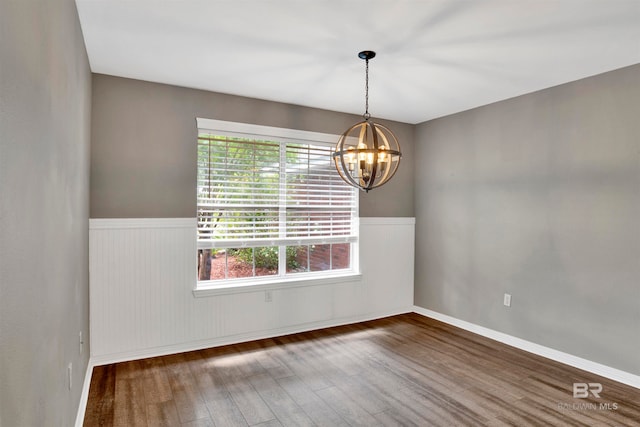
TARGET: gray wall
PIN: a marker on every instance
(45, 90)
(143, 152)
(538, 196)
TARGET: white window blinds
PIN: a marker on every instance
(264, 190)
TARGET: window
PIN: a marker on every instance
(271, 205)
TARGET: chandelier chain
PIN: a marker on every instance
(366, 91)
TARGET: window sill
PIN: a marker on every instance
(273, 284)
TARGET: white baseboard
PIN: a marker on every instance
(239, 338)
(559, 356)
(84, 396)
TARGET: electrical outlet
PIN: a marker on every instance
(507, 300)
(70, 372)
(268, 297)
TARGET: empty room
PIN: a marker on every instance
(327, 213)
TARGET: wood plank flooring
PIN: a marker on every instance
(405, 370)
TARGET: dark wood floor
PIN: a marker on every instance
(404, 370)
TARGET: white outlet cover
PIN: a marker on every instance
(507, 300)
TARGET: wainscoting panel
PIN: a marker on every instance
(143, 272)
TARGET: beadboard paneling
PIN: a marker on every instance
(143, 272)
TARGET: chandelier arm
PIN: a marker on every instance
(397, 152)
(345, 176)
(387, 148)
(363, 133)
(362, 137)
(340, 152)
(392, 174)
(374, 167)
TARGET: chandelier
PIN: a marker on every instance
(367, 154)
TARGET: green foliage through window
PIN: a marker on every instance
(266, 257)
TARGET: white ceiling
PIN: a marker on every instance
(434, 57)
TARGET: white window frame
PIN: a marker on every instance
(250, 284)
